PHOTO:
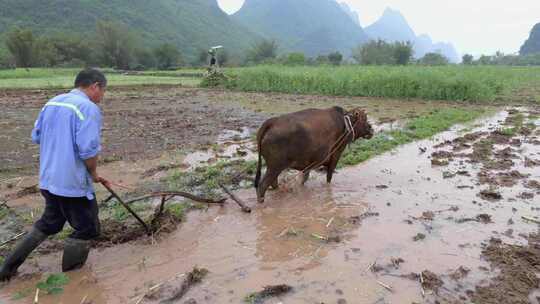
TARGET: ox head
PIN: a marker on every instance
(362, 127)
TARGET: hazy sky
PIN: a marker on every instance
(473, 26)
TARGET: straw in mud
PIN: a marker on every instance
(268, 291)
(192, 278)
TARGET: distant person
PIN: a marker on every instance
(213, 60)
(68, 131)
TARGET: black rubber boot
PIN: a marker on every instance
(75, 254)
(21, 252)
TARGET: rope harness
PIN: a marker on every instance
(349, 126)
(349, 129)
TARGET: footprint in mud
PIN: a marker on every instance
(430, 281)
(460, 273)
(526, 195)
(490, 195)
(529, 162)
(419, 236)
(481, 218)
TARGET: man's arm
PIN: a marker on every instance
(88, 142)
(36, 131)
(91, 165)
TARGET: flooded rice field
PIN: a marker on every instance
(453, 219)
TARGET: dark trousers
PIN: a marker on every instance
(80, 212)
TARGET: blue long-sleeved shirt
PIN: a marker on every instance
(68, 131)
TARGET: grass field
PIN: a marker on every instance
(41, 78)
(453, 83)
(456, 83)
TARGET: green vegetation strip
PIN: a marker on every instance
(41, 78)
(456, 83)
(205, 179)
(54, 283)
(416, 129)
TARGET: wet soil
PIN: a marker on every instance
(138, 123)
(143, 123)
(519, 266)
(496, 153)
(371, 213)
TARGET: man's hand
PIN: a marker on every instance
(100, 180)
(91, 165)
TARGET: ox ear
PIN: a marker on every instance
(340, 110)
(358, 113)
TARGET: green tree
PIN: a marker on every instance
(145, 59)
(202, 57)
(223, 57)
(21, 43)
(335, 58)
(45, 53)
(262, 51)
(116, 44)
(167, 56)
(433, 59)
(380, 52)
(71, 49)
(467, 59)
(322, 59)
(403, 52)
(296, 58)
(532, 59)
(485, 60)
(6, 59)
(375, 52)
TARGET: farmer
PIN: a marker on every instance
(213, 60)
(68, 132)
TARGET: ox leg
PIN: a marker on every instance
(306, 177)
(269, 178)
(275, 184)
(331, 168)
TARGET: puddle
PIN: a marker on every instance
(230, 145)
(279, 242)
(234, 135)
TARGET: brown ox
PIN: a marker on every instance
(307, 140)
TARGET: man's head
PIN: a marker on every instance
(93, 83)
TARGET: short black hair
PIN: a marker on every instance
(88, 77)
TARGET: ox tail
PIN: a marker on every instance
(260, 137)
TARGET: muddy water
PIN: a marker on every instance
(280, 241)
(230, 145)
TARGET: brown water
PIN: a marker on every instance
(275, 243)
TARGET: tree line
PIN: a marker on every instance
(375, 52)
(503, 59)
(380, 52)
(113, 45)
